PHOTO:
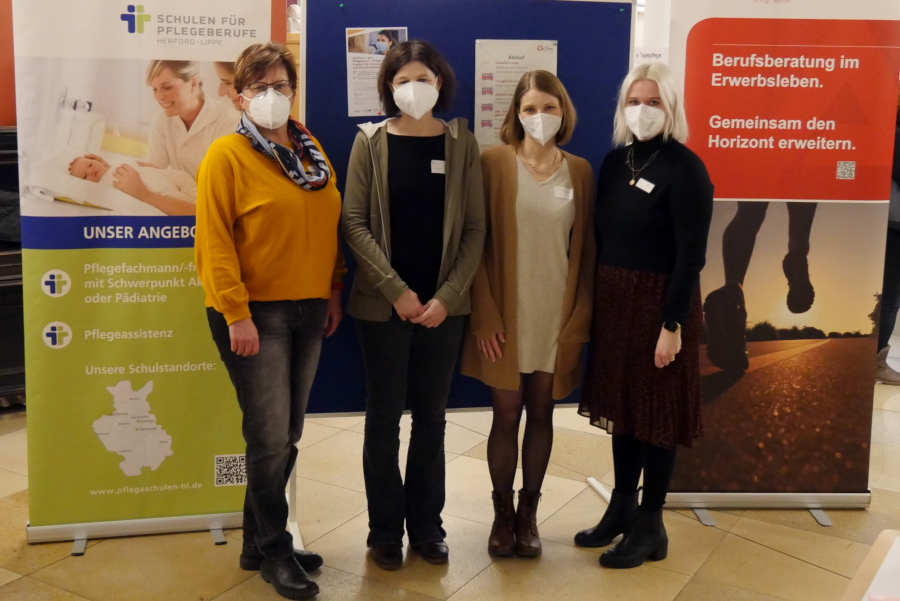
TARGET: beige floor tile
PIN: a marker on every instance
(14, 452)
(835, 554)
(6, 576)
(565, 572)
(586, 454)
(345, 550)
(336, 460)
(12, 420)
(459, 439)
(884, 467)
(15, 553)
(887, 397)
(12, 482)
(562, 472)
(334, 585)
(323, 507)
(744, 564)
(29, 589)
(173, 567)
(469, 491)
(859, 525)
(341, 422)
(476, 420)
(315, 432)
(714, 591)
(885, 427)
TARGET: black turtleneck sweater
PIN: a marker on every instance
(664, 230)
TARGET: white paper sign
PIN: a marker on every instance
(499, 64)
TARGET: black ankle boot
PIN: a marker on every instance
(646, 540)
(288, 577)
(617, 520)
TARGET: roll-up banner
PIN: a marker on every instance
(791, 104)
(132, 423)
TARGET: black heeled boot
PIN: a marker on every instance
(646, 540)
(616, 520)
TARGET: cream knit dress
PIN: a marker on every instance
(545, 212)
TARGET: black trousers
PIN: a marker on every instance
(407, 366)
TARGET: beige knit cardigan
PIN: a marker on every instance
(494, 288)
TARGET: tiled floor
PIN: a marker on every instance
(750, 555)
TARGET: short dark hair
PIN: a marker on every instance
(256, 59)
(407, 52)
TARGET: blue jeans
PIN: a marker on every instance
(272, 390)
(407, 366)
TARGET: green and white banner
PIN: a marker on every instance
(132, 422)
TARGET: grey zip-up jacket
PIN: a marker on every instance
(367, 229)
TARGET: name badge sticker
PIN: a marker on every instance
(563, 192)
(438, 166)
(645, 185)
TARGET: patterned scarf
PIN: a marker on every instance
(314, 179)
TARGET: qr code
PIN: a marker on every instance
(846, 170)
(231, 470)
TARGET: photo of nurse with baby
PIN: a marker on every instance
(123, 137)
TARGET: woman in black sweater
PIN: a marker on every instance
(654, 204)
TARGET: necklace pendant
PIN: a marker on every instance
(631, 182)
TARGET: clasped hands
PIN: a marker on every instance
(431, 314)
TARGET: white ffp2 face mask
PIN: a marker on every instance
(542, 126)
(415, 98)
(270, 109)
(645, 121)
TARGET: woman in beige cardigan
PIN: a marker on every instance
(531, 298)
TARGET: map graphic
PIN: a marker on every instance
(131, 430)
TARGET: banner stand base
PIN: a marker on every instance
(752, 500)
(83, 531)
(704, 516)
(78, 547)
(821, 517)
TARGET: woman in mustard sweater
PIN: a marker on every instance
(267, 253)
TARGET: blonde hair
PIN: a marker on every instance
(183, 70)
(512, 132)
(676, 121)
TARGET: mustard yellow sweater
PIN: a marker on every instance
(260, 237)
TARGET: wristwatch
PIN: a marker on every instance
(672, 325)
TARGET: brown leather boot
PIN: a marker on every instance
(502, 542)
(528, 542)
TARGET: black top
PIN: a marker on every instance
(664, 230)
(417, 210)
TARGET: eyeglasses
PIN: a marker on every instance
(283, 87)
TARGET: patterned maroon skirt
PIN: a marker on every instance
(624, 392)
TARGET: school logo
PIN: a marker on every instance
(57, 334)
(56, 283)
(135, 18)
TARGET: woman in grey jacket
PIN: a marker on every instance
(414, 219)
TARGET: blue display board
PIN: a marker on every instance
(593, 57)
